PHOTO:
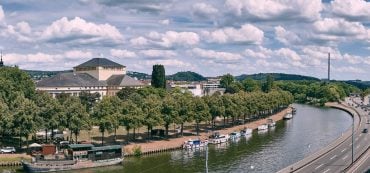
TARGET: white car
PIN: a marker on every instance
(7, 150)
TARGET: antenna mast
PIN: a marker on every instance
(329, 67)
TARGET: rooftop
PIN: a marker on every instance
(99, 62)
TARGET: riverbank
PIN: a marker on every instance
(175, 143)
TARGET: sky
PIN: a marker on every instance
(210, 37)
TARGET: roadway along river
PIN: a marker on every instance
(290, 141)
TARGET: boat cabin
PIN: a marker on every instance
(79, 151)
(105, 152)
(89, 152)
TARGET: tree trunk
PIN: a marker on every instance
(166, 126)
(148, 133)
(46, 135)
(20, 140)
(197, 128)
(70, 135)
(115, 134)
(134, 134)
(76, 134)
(102, 138)
(182, 129)
(128, 134)
(224, 121)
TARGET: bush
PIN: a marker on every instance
(137, 151)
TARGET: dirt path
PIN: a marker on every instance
(177, 142)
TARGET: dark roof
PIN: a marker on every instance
(100, 62)
(123, 80)
(70, 80)
(108, 147)
(74, 146)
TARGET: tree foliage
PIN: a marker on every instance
(158, 76)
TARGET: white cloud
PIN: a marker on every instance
(248, 33)
(286, 37)
(79, 31)
(139, 41)
(161, 54)
(165, 22)
(169, 62)
(351, 9)
(21, 31)
(349, 69)
(173, 38)
(2, 16)
(122, 53)
(275, 10)
(204, 10)
(339, 27)
(216, 55)
(286, 55)
(77, 54)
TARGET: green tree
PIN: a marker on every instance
(6, 121)
(201, 112)
(268, 85)
(50, 111)
(216, 107)
(158, 76)
(25, 117)
(132, 117)
(14, 81)
(250, 85)
(226, 80)
(77, 117)
(152, 112)
(102, 116)
(89, 99)
(169, 112)
(125, 93)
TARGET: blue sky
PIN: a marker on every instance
(211, 37)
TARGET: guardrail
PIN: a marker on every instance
(311, 158)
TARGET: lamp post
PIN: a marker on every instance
(353, 127)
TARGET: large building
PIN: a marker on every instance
(98, 75)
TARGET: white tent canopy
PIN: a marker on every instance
(34, 145)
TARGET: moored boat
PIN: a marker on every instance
(288, 116)
(193, 144)
(80, 156)
(271, 123)
(262, 127)
(246, 132)
(218, 138)
(234, 135)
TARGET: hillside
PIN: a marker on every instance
(277, 76)
(186, 76)
(38, 74)
(139, 75)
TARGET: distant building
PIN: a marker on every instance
(194, 88)
(98, 75)
(197, 88)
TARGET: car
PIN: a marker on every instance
(364, 131)
(7, 150)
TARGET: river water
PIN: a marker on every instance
(290, 141)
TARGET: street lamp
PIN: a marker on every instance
(353, 127)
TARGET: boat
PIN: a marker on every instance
(234, 135)
(271, 123)
(218, 138)
(79, 156)
(288, 116)
(246, 132)
(294, 110)
(193, 144)
(262, 127)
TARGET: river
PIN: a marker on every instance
(290, 141)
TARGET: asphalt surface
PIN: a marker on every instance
(341, 156)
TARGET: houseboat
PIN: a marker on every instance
(77, 156)
(194, 144)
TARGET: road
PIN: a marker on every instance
(340, 157)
